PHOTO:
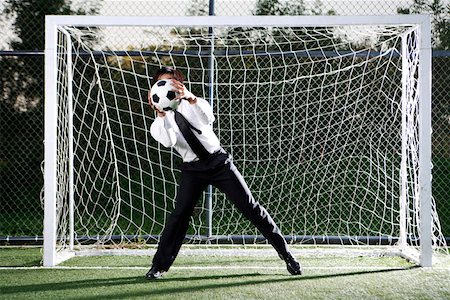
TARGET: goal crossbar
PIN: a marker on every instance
(253, 21)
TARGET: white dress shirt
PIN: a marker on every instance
(165, 130)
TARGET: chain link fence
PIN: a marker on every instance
(21, 103)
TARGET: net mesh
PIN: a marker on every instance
(311, 115)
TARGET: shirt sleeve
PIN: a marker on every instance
(162, 132)
(203, 111)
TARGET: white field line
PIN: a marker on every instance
(218, 268)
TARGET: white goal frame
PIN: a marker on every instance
(51, 112)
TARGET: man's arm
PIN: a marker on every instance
(204, 111)
(162, 132)
(200, 107)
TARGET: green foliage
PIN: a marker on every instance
(22, 79)
(440, 22)
(21, 111)
(277, 8)
(289, 8)
(29, 22)
(198, 8)
(267, 7)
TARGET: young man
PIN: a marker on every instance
(213, 166)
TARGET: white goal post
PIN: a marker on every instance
(330, 171)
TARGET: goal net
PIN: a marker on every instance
(327, 123)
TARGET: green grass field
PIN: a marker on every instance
(220, 277)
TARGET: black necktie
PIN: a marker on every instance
(189, 136)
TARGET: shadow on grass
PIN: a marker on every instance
(159, 287)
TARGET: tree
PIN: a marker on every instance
(22, 78)
(440, 23)
(198, 8)
(290, 8)
(21, 113)
(275, 8)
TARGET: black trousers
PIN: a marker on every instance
(220, 172)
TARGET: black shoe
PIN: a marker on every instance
(293, 266)
(154, 273)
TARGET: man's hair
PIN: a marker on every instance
(168, 70)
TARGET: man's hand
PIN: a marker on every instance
(183, 92)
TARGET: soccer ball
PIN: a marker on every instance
(163, 96)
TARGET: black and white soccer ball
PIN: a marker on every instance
(163, 95)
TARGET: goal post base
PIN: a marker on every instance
(245, 250)
(61, 257)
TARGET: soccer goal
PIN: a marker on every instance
(327, 117)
